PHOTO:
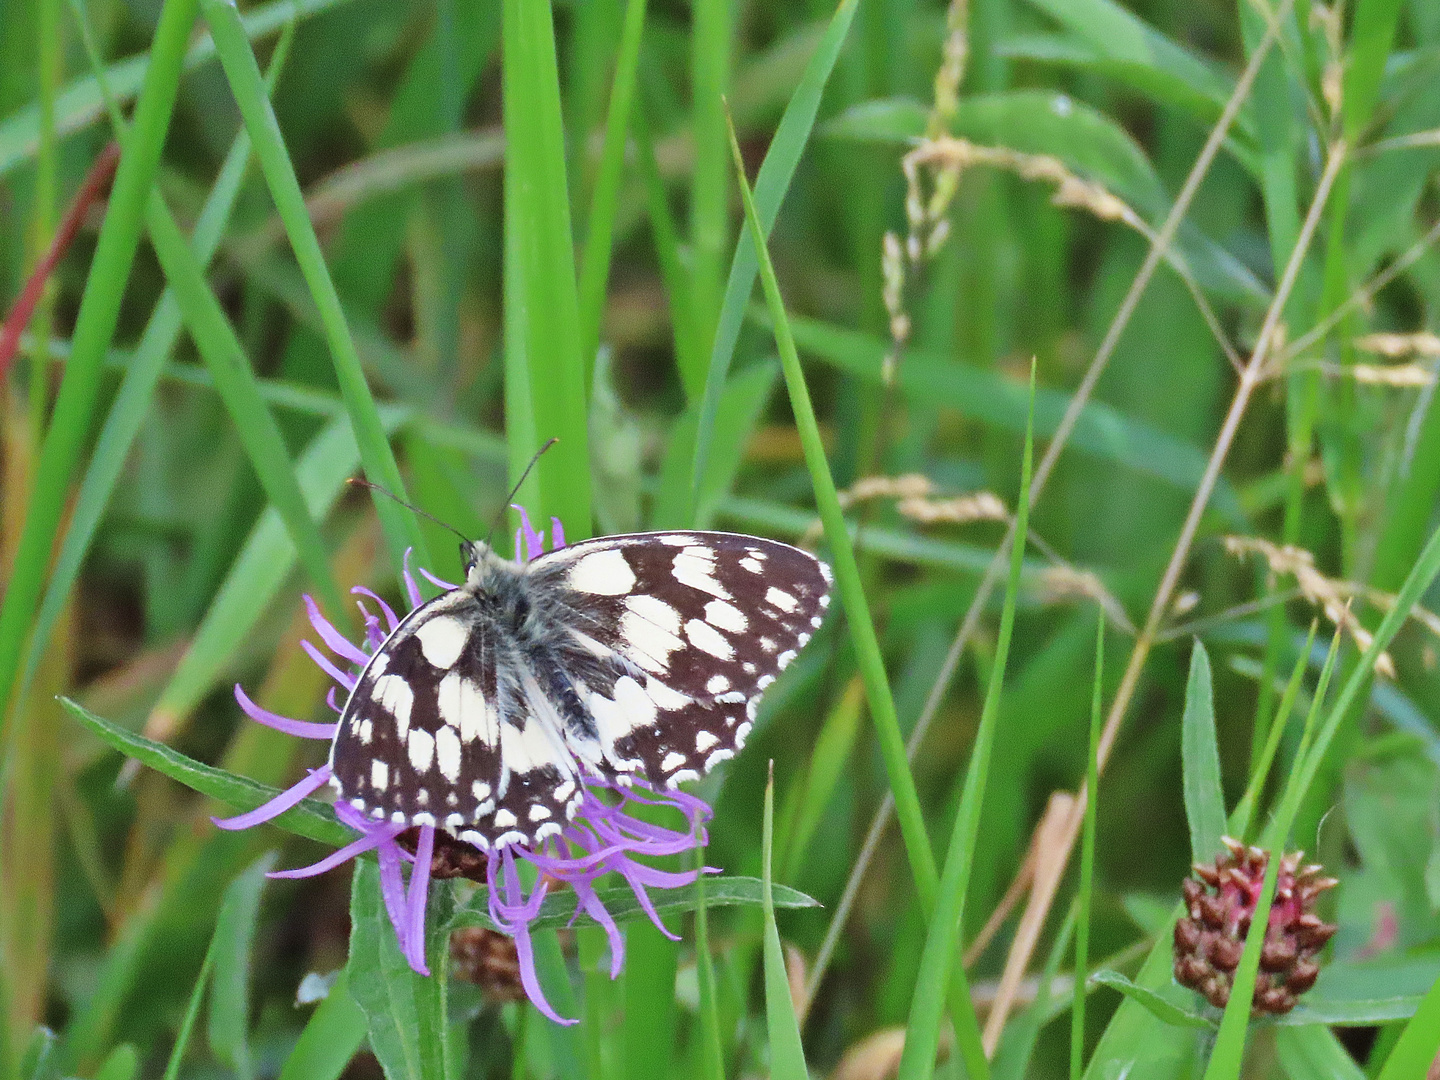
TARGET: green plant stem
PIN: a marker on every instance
(595, 265)
(94, 326)
(401, 528)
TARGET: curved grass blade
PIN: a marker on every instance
(229, 1020)
(1419, 1043)
(246, 84)
(310, 818)
(132, 401)
(787, 1055)
(1200, 757)
(81, 102)
(771, 184)
(94, 326)
(1159, 1007)
(1313, 1052)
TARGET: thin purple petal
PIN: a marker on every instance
(524, 952)
(335, 641)
(419, 890)
(323, 663)
(279, 804)
(386, 609)
(302, 728)
(336, 858)
(534, 541)
(557, 534)
(330, 700)
(411, 589)
(392, 890)
(444, 586)
(591, 905)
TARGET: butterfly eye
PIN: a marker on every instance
(469, 556)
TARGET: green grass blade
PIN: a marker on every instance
(942, 939)
(1244, 812)
(1161, 1008)
(248, 87)
(1200, 756)
(595, 265)
(539, 239)
(828, 761)
(229, 1020)
(94, 325)
(1087, 861)
(771, 184)
(236, 384)
(81, 102)
(712, 46)
(712, 1051)
(787, 1055)
(333, 1034)
(142, 372)
(310, 818)
(1420, 1042)
(847, 573)
(122, 1063)
(187, 1023)
(648, 1033)
(1314, 1053)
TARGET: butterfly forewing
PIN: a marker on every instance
(641, 655)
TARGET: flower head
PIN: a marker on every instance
(1220, 901)
(602, 838)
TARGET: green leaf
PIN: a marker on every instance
(331, 1037)
(558, 909)
(229, 986)
(404, 1010)
(1363, 1012)
(1159, 1007)
(1200, 756)
(122, 1063)
(39, 1060)
(787, 1055)
(771, 183)
(311, 818)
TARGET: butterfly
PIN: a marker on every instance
(637, 656)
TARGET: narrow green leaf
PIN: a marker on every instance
(1087, 860)
(712, 48)
(248, 88)
(403, 1009)
(1314, 1053)
(1419, 1043)
(330, 1039)
(1200, 757)
(81, 103)
(648, 1028)
(1245, 811)
(95, 322)
(538, 239)
(558, 908)
(595, 266)
(229, 987)
(828, 762)
(39, 1060)
(787, 1055)
(312, 819)
(1160, 1008)
(712, 1052)
(771, 184)
(1360, 1012)
(941, 949)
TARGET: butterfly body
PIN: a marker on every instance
(627, 656)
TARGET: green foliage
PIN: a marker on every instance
(475, 227)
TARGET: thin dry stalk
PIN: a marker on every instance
(1395, 346)
(1331, 596)
(1020, 951)
(1158, 250)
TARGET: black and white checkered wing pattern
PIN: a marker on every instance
(688, 629)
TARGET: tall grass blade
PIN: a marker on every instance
(229, 1021)
(1087, 861)
(771, 184)
(332, 1036)
(248, 87)
(1420, 1043)
(787, 1055)
(95, 322)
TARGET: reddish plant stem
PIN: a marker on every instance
(97, 183)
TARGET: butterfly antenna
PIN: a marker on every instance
(408, 506)
(516, 489)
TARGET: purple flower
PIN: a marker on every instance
(601, 839)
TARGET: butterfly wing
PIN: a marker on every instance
(693, 626)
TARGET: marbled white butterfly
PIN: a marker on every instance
(641, 655)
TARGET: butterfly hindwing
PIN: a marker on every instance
(622, 656)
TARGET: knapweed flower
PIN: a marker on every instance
(602, 837)
(1220, 901)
